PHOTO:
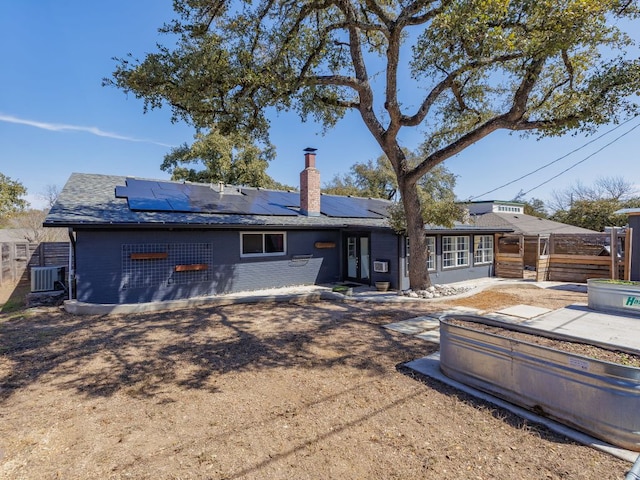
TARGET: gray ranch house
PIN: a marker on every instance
(136, 240)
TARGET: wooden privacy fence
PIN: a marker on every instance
(18, 258)
(15, 256)
(565, 257)
(576, 258)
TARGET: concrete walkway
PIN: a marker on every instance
(577, 321)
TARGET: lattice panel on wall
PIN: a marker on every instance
(161, 264)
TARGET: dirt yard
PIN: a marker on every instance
(284, 391)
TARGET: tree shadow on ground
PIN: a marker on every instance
(98, 356)
(13, 296)
(509, 418)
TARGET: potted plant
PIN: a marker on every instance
(600, 397)
(346, 290)
(382, 286)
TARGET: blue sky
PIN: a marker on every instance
(56, 118)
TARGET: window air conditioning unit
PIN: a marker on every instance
(44, 279)
(381, 266)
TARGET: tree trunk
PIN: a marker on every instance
(418, 273)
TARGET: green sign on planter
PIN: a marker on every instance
(633, 302)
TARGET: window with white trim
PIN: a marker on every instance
(431, 253)
(406, 256)
(504, 208)
(455, 251)
(262, 244)
(482, 249)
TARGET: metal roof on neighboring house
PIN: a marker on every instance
(108, 201)
(525, 224)
(628, 211)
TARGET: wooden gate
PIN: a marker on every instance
(509, 255)
(542, 258)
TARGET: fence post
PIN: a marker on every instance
(627, 253)
(12, 260)
(614, 253)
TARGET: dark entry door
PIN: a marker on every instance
(358, 263)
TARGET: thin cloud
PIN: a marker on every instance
(61, 127)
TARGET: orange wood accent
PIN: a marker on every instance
(149, 256)
(325, 244)
(191, 268)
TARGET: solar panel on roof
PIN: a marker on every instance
(171, 186)
(165, 196)
(378, 206)
(335, 206)
(179, 205)
(149, 204)
(191, 198)
(273, 202)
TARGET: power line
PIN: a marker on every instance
(561, 158)
(583, 160)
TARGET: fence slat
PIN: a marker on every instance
(17, 258)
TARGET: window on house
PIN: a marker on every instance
(406, 256)
(431, 253)
(482, 249)
(455, 251)
(503, 208)
(262, 244)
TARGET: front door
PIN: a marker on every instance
(358, 258)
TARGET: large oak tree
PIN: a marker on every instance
(457, 70)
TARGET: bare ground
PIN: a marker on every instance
(301, 391)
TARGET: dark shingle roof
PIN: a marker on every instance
(89, 200)
(525, 224)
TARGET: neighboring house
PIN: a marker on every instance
(534, 231)
(140, 240)
(500, 214)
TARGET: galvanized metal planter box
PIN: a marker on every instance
(594, 396)
(614, 296)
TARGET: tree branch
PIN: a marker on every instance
(409, 16)
(362, 86)
(511, 120)
(447, 82)
(334, 102)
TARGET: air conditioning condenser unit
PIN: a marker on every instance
(47, 279)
